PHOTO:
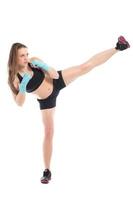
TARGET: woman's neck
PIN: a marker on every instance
(24, 69)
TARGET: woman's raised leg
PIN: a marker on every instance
(72, 73)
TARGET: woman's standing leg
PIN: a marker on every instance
(48, 122)
(72, 73)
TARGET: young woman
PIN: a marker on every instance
(34, 76)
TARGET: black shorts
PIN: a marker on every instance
(50, 101)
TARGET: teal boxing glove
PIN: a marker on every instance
(24, 82)
(40, 64)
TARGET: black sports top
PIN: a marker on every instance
(35, 81)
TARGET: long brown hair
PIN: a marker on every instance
(12, 65)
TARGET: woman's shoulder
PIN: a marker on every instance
(34, 58)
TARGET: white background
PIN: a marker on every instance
(93, 149)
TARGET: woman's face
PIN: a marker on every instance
(22, 57)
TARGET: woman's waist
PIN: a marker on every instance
(44, 90)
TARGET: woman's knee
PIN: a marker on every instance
(48, 131)
(84, 68)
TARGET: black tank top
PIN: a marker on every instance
(35, 81)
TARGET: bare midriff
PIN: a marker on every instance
(45, 89)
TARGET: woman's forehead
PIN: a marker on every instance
(22, 51)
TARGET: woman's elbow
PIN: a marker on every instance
(20, 101)
(20, 104)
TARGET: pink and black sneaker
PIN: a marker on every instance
(122, 44)
(46, 176)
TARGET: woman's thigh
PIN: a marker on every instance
(72, 73)
(48, 118)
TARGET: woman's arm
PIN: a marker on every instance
(19, 99)
(50, 70)
(21, 87)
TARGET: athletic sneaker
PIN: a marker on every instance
(122, 44)
(46, 176)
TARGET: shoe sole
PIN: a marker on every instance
(46, 181)
(122, 40)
